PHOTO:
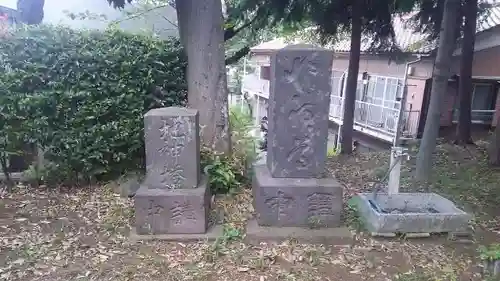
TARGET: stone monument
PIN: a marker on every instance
(174, 197)
(292, 189)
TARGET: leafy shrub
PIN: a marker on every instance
(489, 253)
(244, 144)
(228, 172)
(81, 95)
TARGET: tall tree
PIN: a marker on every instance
(440, 76)
(465, 89)
(352, 78)
(200, 24)
(202, 34)
(494, 153)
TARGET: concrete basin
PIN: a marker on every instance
(410, 213)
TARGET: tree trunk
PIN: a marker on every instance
(440, 76)
(181, 9)
(352, 80)
(202, 34)
(465, 86)
(494, 155)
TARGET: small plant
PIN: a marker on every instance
(489, 253)
(332, 152)
(243, 143)
(352, 217)
(228, 172)
(221, 175)
(231, 234)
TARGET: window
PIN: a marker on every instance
(483, 97)
(265, 72)
(482, 104)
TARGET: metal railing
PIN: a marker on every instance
(253, 83)
(379, 114)
(376, 117)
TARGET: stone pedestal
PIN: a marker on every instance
(175, 211)
(174, 198)
(293, 190)
(306, 202)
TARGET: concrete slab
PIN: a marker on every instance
(213, 232)
(328, 236)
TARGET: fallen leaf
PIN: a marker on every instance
(243, 269)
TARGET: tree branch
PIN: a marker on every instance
(141, 13)
(172, 23)
(238, 55)
(231, 32)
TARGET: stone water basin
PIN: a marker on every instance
(410, 213)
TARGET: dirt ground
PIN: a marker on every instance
(60, 234)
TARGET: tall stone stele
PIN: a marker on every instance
(292, 190)
(174, 197)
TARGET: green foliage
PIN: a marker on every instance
(81, 95)
(243, 142)
(352, 217)
(332, 152)
(221, 175)
(228, 172)
(332, 18)
(489, 253)
(231, 234)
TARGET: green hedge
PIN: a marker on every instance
(81, 95)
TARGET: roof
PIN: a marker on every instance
(406, 38)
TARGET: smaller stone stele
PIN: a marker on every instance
(174, 198)
(292, 202)
(172, 143)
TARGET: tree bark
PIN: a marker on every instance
(463, 135)
(352, 80)
(440, 76)
(181, 8)
(494, 153)
(202, 35)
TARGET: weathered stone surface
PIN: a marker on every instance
(307, 202)
(172, 211)
(172, 148)
(128, 185)
(338, 236)
(213, 233)
(298, 111)
(448, 217)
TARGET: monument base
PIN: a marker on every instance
(172, 211)
(296, 202)
(212, 233)
(256, 234)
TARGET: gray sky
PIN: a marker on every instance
(54, 14)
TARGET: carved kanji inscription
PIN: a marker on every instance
(182, 213)
(282, 205)
(320, 204)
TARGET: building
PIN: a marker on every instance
(8, 15)
(382, 79)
